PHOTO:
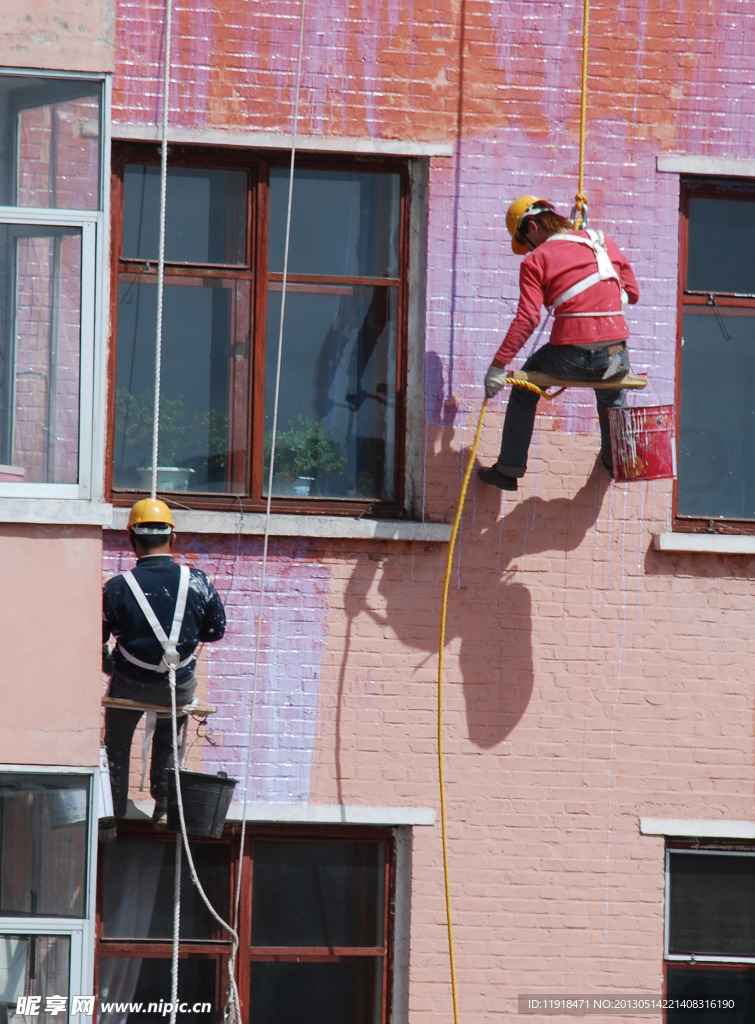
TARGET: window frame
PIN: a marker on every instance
(704, 187)
(93, 288)
(258, 164)
(696, 963)
(220, 948)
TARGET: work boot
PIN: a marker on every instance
(493, 475)
(160, 815)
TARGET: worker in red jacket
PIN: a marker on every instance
(584, 279)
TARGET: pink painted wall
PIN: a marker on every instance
(57, 35)
(50, 624)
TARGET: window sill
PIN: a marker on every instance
(705, 543)
(697, 829)
(311, 814)
(52, 511)
(253, 523)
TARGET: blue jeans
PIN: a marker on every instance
(120, 726)
(569, 362)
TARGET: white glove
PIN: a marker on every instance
(495, 378)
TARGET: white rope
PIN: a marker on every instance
(268, 506)
(161, 249)
(233, 1008)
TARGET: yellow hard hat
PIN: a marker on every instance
(150, 510)
(521, 207)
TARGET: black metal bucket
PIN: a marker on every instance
(205, 798)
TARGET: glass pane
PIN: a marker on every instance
(150, 869)
(342, 224)
(721, 246)
(205, 215)
(34, 976)
(318, 894)
(717, 416)
(54, 159)
(337, 403)
(43, 845)
(194, 445)
(40, 344)
(148, 983)
(344, 992)
(712, 984)
(712, 904)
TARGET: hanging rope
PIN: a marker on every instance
(441, 647)
(268, 506)
(579, 212)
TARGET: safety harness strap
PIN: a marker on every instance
(605, 272)
(169, 644)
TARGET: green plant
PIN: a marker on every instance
(306, 448)
(186, 436)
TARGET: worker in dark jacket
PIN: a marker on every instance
(158, 612)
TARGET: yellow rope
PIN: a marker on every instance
(444, 606)
(529, 386)
(580, 199)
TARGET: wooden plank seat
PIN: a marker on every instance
(544, 380)
(182, 709)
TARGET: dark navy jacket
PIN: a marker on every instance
(158, 575)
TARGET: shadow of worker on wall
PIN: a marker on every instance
(496, 661)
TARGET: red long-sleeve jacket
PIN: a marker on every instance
(548, 272)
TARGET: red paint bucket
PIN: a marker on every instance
(642, 443)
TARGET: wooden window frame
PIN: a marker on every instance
(706, 188)
(256, 276)
(219, 949)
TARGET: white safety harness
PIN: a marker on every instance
(169, 643)
(605, 272)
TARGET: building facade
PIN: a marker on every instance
(328, 285)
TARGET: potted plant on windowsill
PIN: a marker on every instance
(189, 442)
(304, 451)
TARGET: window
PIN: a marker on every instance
(716, 483)
(50, 230)
(340, 410)
(710, 933)
(45, 912)
(314, 925)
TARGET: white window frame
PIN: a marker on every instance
(80, 930)
(94, 300)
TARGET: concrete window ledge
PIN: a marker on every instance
(695, 828)
(705, 543)
(335, 527)
(312, 814)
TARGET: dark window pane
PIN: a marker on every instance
(717, 416)
(205, 215)
(195, 383)
(318, 894)
(712, 984)
(43, 845)
(712, 904)
(345, 992)
(337, 402)
(343, 225)
(148, 981)
(721, 255)
(149, 869)
(37, 966)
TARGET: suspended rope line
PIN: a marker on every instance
(441, 646)
(161, 246)
(234, 1009)
(579, 213)
(271, 470)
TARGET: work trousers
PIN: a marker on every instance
(120, 726)
(569, 362)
